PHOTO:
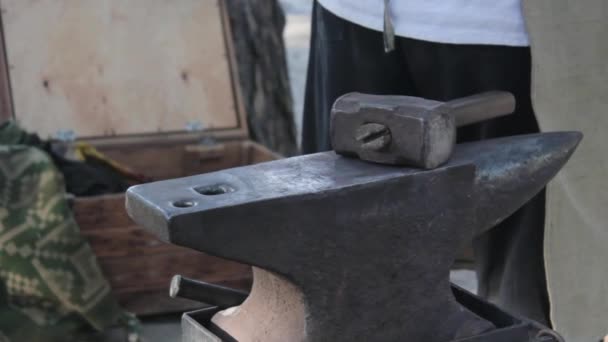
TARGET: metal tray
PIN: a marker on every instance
(197, 326)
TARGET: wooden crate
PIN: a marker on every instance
(148, 82)
(137, 264)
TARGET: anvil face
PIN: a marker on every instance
(369, 246)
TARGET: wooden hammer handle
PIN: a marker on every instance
(481, 107)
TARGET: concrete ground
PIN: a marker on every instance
(162, 329)
(297, 36)
(165, 328)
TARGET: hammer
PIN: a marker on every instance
(410, 131)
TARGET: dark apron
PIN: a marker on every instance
(346, 57)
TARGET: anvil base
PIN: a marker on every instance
(197, 326)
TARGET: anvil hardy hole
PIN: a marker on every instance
(184, 204)
(215, 189)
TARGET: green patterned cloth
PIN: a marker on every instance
(51, 287)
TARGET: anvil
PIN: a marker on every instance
(346, 250)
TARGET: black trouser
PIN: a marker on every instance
(345, 57)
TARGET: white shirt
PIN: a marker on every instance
(488, 22)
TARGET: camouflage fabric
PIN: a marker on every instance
(51, 287)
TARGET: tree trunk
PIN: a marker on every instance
(257, 29)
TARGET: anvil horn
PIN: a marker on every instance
(368, 248)
(510, 173)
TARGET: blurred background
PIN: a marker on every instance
(97, 97)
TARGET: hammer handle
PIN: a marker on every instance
(220, 296)
(481, 107)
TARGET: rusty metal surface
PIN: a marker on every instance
(337, 227)
(404, 130)
(215, 295)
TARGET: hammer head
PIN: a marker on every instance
(391, 129)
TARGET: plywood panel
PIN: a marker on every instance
(107, 67)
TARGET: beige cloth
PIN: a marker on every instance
(569, 41)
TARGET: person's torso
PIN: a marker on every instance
(498, 22)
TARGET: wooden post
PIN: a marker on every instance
(6, 101)
(257, 32)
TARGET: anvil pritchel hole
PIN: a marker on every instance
(184, 204)
(215, 189)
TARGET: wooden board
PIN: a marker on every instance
(104, 68)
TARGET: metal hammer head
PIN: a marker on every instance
(404, 130)
(367, 247)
